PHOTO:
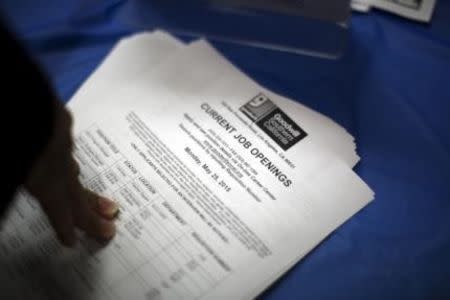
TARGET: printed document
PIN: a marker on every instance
(222, 185)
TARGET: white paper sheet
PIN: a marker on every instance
(211, 65)
(126, 78)
(126, 60)
(210, 207)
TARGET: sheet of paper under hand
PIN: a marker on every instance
(188, 89)
(185, 57)
(187, 82)
(218, 194)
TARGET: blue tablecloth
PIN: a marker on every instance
(391, 90)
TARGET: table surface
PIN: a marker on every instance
(391, 90)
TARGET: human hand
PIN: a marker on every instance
(54, 182)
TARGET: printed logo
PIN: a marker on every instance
(273, 121)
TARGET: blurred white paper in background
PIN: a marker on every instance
(418, 10)
(361, 5)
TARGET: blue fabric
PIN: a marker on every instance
(391, 90)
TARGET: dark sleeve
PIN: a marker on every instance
(26, 114)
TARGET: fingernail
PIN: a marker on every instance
(108, 207)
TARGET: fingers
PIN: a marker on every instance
(106, 208)
(60, 216)
(94, 215)
(54, 182)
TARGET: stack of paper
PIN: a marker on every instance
(419, 10)
(223, 185)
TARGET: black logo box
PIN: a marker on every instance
(284, 138)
